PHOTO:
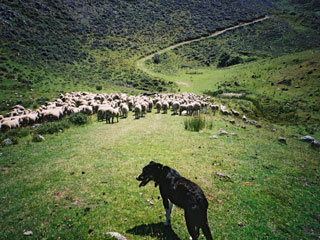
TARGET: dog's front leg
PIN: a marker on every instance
(168, 207)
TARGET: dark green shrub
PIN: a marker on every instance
(52, 127)
(99, 87)
(195, 124)
(234, 60)
(18, 132)
(79, 119)
(224, 57)
(156, 58)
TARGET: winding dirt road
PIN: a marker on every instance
(142, 60)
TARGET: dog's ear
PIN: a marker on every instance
(152, 162)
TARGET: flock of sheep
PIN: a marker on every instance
(108, 107)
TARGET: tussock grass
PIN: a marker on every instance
(197, 123)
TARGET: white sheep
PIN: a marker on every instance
(10, 123)
(137, 111)
(158, 106)
(124, 110)
(175, 107)
(165, 106)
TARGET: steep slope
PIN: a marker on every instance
(53, 46)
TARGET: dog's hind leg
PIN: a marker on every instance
(206, 231)
(168, 214)
(191, 222)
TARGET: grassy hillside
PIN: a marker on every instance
(48, 47)
(272, 68)
(280, 35)
(284, 89)
(81, 183)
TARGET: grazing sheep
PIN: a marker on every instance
(235, 113)
(196, 108)
(190, 109)
(144, 107)
(165, 107)
(86, 109)
(158, 106)
(124, 110)
(116, 113)
(224, 110)
(10, 123)
(214, 108)
(53, 114)
(183, 107)
(175, 107)
(101, 115)
(137, 111)
(150, 106)
(110, 114)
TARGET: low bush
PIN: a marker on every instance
(52, 127)
(78, 119)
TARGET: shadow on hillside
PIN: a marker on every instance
(157, 230)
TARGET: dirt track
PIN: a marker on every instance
(142, 60)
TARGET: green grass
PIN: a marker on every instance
(84, 178)
(261, 82)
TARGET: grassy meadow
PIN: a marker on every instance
(80, 184)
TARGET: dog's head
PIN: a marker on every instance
(150, 172)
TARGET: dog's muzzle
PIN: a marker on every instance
(144, 180)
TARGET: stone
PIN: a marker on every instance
(252, 122)
(116, 235)
(222, 132)
(307, 139)
(41, 137)
(7, 141)
(28, 233)
(214, 137)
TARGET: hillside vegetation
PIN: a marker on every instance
(49, 47)
(268, 63)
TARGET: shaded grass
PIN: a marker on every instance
(84, 178)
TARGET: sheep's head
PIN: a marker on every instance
(149, 172)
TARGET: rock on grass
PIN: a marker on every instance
(116, 235)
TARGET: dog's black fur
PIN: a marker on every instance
(181, 192)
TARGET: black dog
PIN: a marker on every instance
(183, 193)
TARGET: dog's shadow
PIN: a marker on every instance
(157, 230)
